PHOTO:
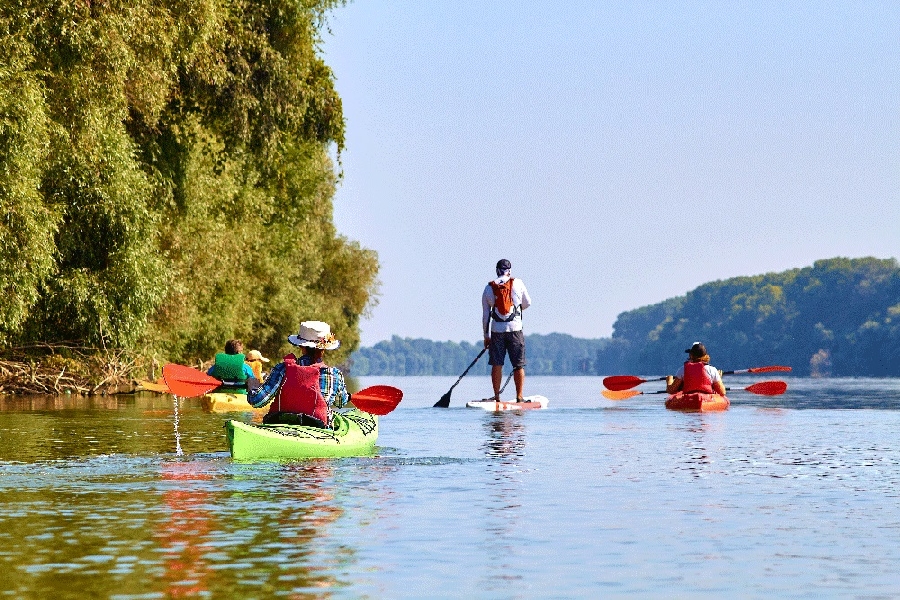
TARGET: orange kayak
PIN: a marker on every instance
(697, 402)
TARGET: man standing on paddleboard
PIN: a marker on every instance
(502, 304)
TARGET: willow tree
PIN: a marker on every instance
(167, 177)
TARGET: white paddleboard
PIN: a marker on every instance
(531, 402)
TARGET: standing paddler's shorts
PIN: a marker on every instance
(503, 342)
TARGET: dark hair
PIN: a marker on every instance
(234, 347)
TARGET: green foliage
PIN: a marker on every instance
(837, 317)
(166, 176)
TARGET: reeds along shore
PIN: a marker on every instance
(69, 369)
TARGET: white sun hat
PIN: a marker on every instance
(315, 334)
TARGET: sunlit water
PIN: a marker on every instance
(792, 496)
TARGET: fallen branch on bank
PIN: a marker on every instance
(68, 369)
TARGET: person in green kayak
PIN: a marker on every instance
(696, 374)
(502, 303)
(303, 390)
(229, 366)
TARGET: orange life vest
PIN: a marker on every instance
(696, 379)
(301, 392)
(503, 301)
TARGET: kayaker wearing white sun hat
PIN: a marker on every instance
(302, 391)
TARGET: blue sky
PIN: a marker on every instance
(618, 153)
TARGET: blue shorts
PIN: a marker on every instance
(507, 342)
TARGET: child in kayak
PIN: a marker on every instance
(255, 359)
(303, 390)
(696, 375)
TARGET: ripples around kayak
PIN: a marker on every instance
(791, 496)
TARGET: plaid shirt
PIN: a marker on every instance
(331, 382)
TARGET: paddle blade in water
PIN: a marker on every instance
(767, 369)
(377, 399)
(187, 382)
(767, 388)
(444, 402)
(622, 382)
(620, 394)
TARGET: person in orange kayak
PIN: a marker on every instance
(303, 390)
(696, 375)
(502, 303)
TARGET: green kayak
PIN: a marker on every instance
(354, 434)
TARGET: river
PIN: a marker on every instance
(795, 496)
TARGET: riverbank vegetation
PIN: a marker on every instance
(838, 317)
(166, 180)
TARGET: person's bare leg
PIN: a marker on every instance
(519, 378)
(496, 377)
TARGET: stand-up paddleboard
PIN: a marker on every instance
(531, 402)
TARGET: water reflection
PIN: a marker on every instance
(505, 436)
(699, 451)
(184, 535)
(504, 446)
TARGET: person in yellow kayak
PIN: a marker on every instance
(502, 303)
(696, 374)
(255, 359)
(229, 366)
(303, 390)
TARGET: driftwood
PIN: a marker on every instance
(69, 369)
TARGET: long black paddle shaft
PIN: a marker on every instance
(444, 402)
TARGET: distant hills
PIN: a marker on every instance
(839, 317)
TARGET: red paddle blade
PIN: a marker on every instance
(767, 369)
(620, 394)
(622, 382)
(377, 399)
(186, 382)
(768, 388)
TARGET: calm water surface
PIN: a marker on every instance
(794, 496)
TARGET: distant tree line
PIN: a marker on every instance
(553, 354)
(839, 317)
(166, 177)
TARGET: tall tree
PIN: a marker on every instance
(169, 175)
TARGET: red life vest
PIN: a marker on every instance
(300, 391)
(696, 379)
(503, 302)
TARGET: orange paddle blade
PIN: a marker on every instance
(620, 394)
(187, 382)
(159, 386)
(767, 388)
(377, 399)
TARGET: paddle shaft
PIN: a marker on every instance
(626, 382)
(763, 388)
(444, 402)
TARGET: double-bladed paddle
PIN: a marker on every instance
(444, 402)
(764, 388)
(626, 382)
(187, 382)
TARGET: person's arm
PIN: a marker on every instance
(717, 385)
(487, 302)
(523, 294)
(265, 393)
(335, 388)
(673, 384)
